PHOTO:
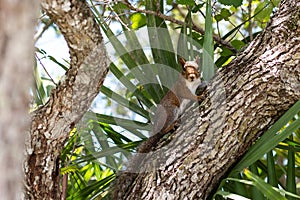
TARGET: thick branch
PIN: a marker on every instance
(243, 100)
(52, 122)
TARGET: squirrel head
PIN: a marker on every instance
(190, 69)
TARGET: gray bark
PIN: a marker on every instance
(242, 101)
(17, 21)
(52, 123)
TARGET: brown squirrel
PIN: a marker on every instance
(173, 104)
(168, 110)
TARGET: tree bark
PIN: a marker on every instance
(52, 123)
(242, 101)
(17, 21)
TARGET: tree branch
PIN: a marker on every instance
(70, 100)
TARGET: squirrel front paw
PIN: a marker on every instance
(200, 98)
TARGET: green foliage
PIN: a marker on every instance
(186, 2)
(44, 83)
(138, 20)
(225, 14)
(208, 47)
(100, 144)
(235, 3)
(274, 140)
(264, 10)
(238, 44)
(283, 128)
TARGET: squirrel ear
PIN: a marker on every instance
(182, 62)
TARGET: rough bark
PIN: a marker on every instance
(72, 97)
(243, 100)
(16, 61)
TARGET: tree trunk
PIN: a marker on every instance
(17, 21)
(242, 101)
(52, 123)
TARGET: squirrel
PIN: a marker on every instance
(174, 103)
(171, 106)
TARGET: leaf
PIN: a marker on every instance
(291, 177)
(120, 7)
(272, 178)
(122, 101)
(253, 183)
(134, 46)
(238, 44)
(197, 7)
(130, 86)
(49, 88)
(161, 44)
(255, 192)
(226, 52)
(112, 134)
(126, 58)
(183, 46)
(264, 11)
(110, 151)
(89, 172)
(235, 3)
(64, 67)
(186, 2)
(225, 13)
(159, 36)
(265, 188)
(68, 169)
(208, 46)
(169, 2)
(94, 187)
(103, 141)
(218, 17)
(40, 93)
(125, 123)
(138, 20)
(228, 195)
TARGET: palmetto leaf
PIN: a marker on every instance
(271, 137)
(208, 47)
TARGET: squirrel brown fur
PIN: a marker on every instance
(174, 103)
(171, 106)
